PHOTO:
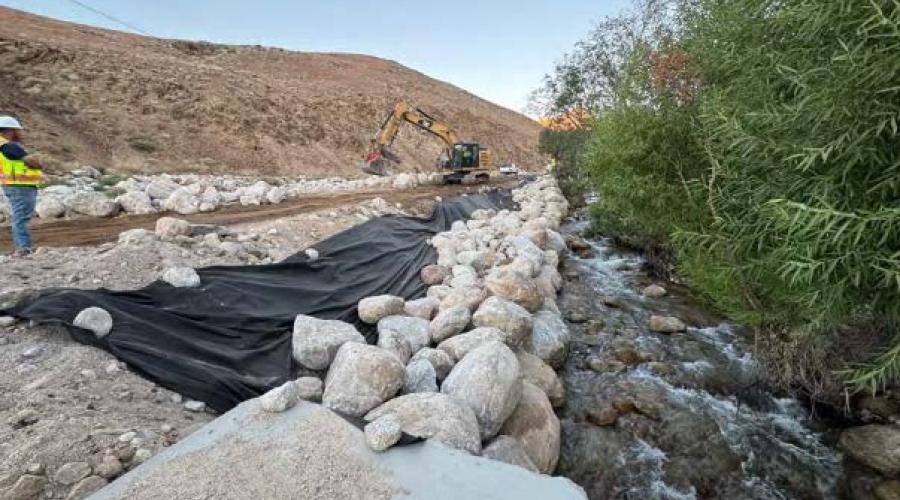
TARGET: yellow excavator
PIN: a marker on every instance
(456, 162)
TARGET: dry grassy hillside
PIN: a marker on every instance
(133, 104)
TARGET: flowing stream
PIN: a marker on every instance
(680, 416)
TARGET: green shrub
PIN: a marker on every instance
(801, 111)
(758, 141)
(642, 161)
(567, 147)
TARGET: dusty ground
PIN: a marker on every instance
(77, 232)
(139, 104)
(64, 402)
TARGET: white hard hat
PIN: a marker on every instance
(9, 122)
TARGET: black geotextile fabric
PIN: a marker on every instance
(230, 339)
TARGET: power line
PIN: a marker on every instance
(110, 17)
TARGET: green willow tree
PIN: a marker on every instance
(801, 112)
(758, 141)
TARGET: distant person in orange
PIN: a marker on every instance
(20, 177)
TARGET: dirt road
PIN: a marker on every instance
(90, 231)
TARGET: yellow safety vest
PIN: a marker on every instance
(16, 172)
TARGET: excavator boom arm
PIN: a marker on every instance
(403, 112)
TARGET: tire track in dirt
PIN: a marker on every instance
(94, 231)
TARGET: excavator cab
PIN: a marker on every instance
(469, 155)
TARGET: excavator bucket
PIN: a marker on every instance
(375, 168)
(377, 160)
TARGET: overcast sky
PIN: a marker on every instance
(496, 49)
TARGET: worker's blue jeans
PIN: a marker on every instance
(22, 200)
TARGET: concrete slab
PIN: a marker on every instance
(309, 452)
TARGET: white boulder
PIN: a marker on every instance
(95, 319)
(49, 207)
(432, 415)
(373, 309)
(316, 341)
(505, 315)
(170, 227)
(449, 322)
(181, 277)
(440, 361)
(536, 427)
(420, 377)
(136, 202)
(182, 201)
(362, 377)
(549, 338)
(488, 381)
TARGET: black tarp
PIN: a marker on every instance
(230, 339)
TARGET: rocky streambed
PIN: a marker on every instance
(677, 413)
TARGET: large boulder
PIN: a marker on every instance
(549, 338)
(181, 277)
(276, 195)
(534, 424)
(440, 360)
(502, 314)
(49, 207)
(555, 241)
(316, 341)
(469, 296)
(136, 202)
(93, 204)
(362, 377)
(489, 381)
(414, 330)
(877, 446)
(161, 188)
(431, 415)
(509, 450)
(548, 281)
(527, 249)
(434, 274)
(537, 372)
(479, 260)
(439, 292)
(182, 201)
(421, 308)
(170, 227)
(210, 199)
(255, 194)
(420, 377)
(460, 345)
(449, 322)
(463, 277)
(505, 282)
(372, 309)
(95, 319)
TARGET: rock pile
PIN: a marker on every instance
(88, 192)
(471, 364)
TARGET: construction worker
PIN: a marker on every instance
(20, 177)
